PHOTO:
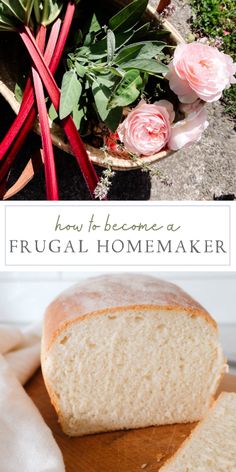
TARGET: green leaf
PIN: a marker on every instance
(18, 93)
(128, 90)
(127, 53)
(12, 13)
(113, 118)
(80, 69)
(70, 93)
(82, 52)
(151, 50)
(143, 49)
(141, 32)
(92, 28)
(128, 16)
(151, 66)
(46, 11)
(78, 115)
(52, 113)
(111, 46)
(101, 97)
(107, 80)
(99, 49)
(6, 24)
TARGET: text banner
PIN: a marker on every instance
(112, 235)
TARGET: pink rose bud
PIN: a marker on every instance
(187, 131)
(146, 129)
(200, 71)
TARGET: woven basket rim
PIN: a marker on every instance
(97, 155)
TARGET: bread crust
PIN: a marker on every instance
(192, 434)
(77, 304)
(104, 293)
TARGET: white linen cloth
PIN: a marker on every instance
(26, 442)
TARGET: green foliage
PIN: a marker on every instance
(18, 93)
(113, 64)
(127, 90)
(14, 12)
(46, 11)
(217, 19)
(70, 93)
(128, 16)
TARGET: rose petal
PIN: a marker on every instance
(199, 70)
(146, 129)
(189, 130)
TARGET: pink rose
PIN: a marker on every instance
(146, 129)
(200, 71)
(187, 131)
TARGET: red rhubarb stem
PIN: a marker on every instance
(53, 53)
(66, 25)
(40, 40)
(49, 164)
(69, 127)
(26, 118)
(28, 98)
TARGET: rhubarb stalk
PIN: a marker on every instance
(68, 125)
(49, 164)
(30, 111)
(28, 98)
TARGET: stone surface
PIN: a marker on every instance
(207, 169)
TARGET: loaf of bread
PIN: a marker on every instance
(127, 351)
(212, 445)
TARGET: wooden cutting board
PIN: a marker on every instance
(122, 451)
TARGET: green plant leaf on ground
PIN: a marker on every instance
(127, 90)
(70, 93)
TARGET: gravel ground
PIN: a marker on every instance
(205, 171)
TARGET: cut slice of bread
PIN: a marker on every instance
(127, 351)
(211, 446)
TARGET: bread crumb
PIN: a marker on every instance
(159, 456)
(143, 466)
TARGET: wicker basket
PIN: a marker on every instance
(7, 84)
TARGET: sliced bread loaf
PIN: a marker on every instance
(211, 446)
(127, 351)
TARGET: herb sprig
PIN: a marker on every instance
(111, 66)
